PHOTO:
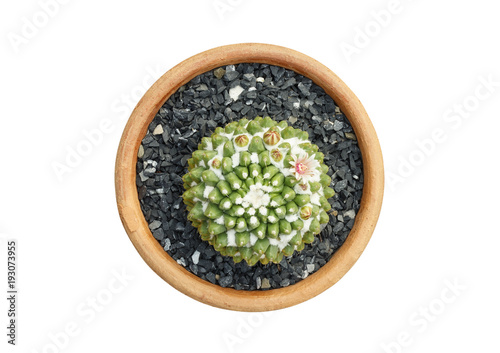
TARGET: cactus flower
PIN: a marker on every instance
(304, 167)
(272, 137)
(257, 190)
(241, 140)
(305, 212)
(276, 155)
(216, 163)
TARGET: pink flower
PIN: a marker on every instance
(304, 167)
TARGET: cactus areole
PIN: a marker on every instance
(257, 190)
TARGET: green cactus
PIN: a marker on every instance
(257, 190)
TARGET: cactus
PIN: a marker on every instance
(257, 190)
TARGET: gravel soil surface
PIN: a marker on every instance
(216, 98)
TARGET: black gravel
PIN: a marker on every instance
(194, 111)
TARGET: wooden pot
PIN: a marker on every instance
(176, 275)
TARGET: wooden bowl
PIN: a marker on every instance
(176, 275)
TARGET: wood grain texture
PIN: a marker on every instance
(191, 285)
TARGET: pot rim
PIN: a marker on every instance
(177, 276)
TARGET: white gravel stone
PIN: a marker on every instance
(235, 92)
(258, 282)
(168, 244)
(351, 214)
(195, 257)
(158, 130)
(140, 153)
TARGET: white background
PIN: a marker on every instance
(86, 62)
